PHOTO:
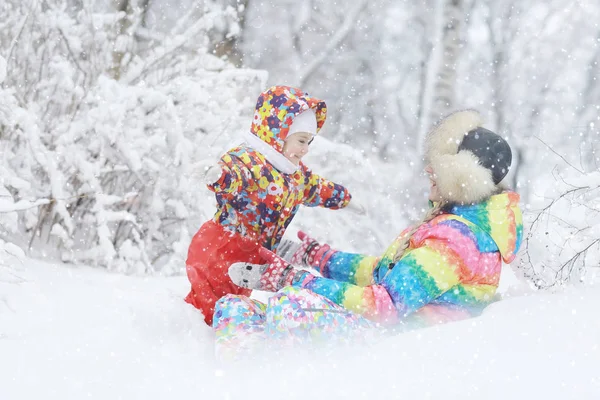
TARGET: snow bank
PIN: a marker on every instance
(73, 333)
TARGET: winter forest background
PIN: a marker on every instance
(107, 107)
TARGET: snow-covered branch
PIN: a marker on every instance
(167, 48)
(7, 205)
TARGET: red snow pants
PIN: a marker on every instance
(211, 252)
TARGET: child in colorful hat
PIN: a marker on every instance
(259, 186)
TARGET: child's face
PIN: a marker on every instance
(296, 146)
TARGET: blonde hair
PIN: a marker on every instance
(429, 215)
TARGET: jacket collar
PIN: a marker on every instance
(273, 156)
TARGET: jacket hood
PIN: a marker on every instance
(276, 109)
(500, 217)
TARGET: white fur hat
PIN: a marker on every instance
(306, 121)
(468, 161)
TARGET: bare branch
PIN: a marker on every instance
(550, 206)
(564, 159)
(572, 260)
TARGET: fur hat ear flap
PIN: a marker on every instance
(448, 133)
(461, 179)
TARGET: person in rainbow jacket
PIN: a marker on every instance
(259, 186)
(445, 268)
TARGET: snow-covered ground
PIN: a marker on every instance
(81, 333)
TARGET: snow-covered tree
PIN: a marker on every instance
(99, 135)
(440, 85)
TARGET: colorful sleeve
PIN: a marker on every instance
(321, 192)
(352, 268)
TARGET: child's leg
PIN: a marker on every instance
(210, 282)
(210, 254)
(202, 295)
(202, 255)
(239, 324)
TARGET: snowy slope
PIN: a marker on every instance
(74, 333)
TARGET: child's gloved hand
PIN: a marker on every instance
(287, 249)
(310, 252)
(207, 171)
(271, 277)
(356, 207)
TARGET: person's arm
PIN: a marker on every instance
(351, 267)
(334, 264)
(320, 192)
(421, 276)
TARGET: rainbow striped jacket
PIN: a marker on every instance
(450, 270)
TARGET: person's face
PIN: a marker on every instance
(434, 195)
(296, 146)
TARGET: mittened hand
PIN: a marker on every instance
(310, 252)
(207, 171)
(287, 249)
(279, 273)
(213, 173)
(356, 207)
